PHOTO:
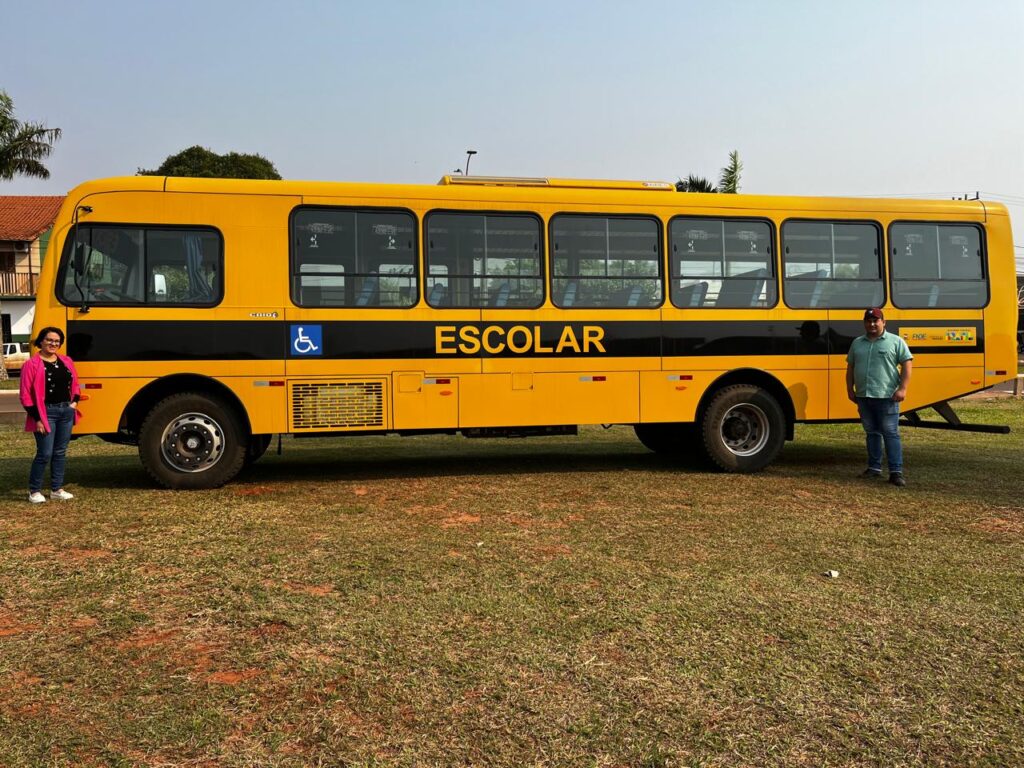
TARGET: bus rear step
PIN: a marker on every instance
(952, 421)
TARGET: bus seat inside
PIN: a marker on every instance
(368, 295)
(569, 296)
(806, 290)
(625, 297)
(501, 297)
(437, 295)
(691, 295)
(742, 290)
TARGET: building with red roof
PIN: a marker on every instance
(25, 225)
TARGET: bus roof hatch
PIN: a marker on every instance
(521, 181)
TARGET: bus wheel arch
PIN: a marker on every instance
(146, 398)
(744, 419)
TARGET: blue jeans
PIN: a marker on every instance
(880, 418)
(52, 448)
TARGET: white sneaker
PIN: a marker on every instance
(61, 495)
(36, 498)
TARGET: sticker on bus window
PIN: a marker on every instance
(307, 340)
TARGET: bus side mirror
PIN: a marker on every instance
(78, 259)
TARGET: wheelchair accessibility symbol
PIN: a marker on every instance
(307, 340)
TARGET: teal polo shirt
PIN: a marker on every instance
(876, 364)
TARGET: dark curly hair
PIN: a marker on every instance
(42, 335)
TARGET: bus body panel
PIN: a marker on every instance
(595, 397)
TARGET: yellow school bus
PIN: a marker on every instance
(206, 315)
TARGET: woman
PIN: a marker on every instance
(49, 394)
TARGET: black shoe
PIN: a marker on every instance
(870, 474)
(896, 478)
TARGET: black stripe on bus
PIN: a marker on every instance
(185, 340)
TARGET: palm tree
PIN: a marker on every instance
(23, 147)
(728, 179)
(695, 184)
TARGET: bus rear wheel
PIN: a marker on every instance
(192, 441)
(743, 429)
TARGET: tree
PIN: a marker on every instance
(199, 162)
(728, 179)
(695, 184)
(23, 147)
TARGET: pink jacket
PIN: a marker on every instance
(33, 389)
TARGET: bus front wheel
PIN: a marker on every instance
(743, 428)
(192, 441)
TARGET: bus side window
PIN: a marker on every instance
(832, 264)
(721, 263)
(937, 265)
(491, 259)
(606, 261)
(353, 257)
(152, 265)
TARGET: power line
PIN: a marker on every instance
(1007, 195)
(995, 196)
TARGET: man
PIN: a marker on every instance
(877, 373)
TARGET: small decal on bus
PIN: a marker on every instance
(307, 340)
(939, 337)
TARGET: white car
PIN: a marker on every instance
(15, 355)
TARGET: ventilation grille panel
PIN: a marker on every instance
(333, 405)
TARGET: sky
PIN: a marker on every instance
(896, 98)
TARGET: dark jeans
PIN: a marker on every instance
(880, 418)
(52, 448)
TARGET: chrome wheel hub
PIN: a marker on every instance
(745, 429)
(192, 442)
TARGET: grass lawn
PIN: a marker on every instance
(556, 601)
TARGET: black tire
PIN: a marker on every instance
(192, 441)
(668, 439)
(743, 429)
(258, 445)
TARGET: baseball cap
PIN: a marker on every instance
(873, 312)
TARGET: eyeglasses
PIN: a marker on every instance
(58, 342)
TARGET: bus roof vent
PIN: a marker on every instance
(520, 181)
(494, 181)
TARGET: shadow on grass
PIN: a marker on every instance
(972, 469)
(378, 464)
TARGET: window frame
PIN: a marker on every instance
(541, 251)
(660, 233)
(773, 261)
(292, 255)
(883, 244)
(982, 241)
(70, 238)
